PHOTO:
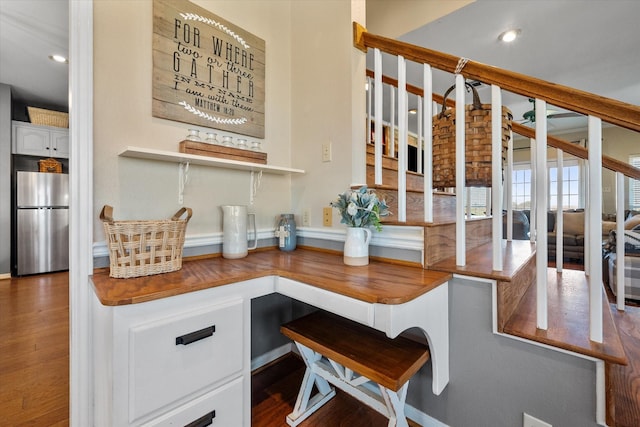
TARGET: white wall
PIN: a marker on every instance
(143, 189)
(395, 18)
(323, 107)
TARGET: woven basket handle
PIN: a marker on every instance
(106, 214)
(477, 105)
(181, 212)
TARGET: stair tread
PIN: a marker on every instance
(568, 321)
(568, 318)
(479, 261)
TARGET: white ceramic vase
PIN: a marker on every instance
(356, 246)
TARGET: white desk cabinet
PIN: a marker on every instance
(44, 141)
(171, 362)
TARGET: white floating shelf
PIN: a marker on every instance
(193, 159)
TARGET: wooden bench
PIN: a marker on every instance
(353, 357)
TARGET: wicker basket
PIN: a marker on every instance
(143, 248)
(477, 143)
(50, 165)
(39, 116)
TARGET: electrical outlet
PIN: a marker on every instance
(529, 421)
(326, 152)
(306, 217)
(327, 217)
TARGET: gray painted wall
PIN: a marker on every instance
(494, 379)
(5, 179)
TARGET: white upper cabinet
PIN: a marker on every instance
(44, 141)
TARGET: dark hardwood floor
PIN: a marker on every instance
(34, 366)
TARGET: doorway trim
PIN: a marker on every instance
(81, 211)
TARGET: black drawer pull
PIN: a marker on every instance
(195, 336)
(203, 421)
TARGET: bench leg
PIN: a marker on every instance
(305, 404)
(395, 405)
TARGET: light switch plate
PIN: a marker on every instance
(327, 218)
(326, 152)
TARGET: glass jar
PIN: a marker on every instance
(286, 232)
(193, 135)
(242, 144)
(227, 141)
(211, 138)
(255, 146)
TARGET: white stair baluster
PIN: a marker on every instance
(620, 240)
(428, 141)
(496, 178)
(541, 198)
(377, 75)
(402, 139)
(461, 256)
(559, 209)
(594, 231)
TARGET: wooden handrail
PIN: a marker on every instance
(609, 110)
(568, 147)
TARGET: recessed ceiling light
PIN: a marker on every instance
(509, 36)
(59, 58)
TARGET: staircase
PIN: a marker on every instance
(531, 301)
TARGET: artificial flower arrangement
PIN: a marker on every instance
(361, 208)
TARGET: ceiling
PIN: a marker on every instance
(591, 45)
(587, 44)
(30, 31)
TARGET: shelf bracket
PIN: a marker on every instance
(183, 178)
(255, 182)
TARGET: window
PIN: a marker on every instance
(478, 200)
(521, 186)
(634, 184)
(571, 185)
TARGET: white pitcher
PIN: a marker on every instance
(356, 246)
(234, 231)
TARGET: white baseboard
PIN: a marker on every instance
(421, 418)
(5, 276)
(270, 356)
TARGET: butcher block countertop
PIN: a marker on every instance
(379, 282)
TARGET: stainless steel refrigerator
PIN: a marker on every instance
(42, 217)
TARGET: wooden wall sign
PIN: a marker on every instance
(206, 71)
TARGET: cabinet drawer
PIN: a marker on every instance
(222, 406)
(171, 358)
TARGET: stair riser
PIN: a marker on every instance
(390, 178)
(440, 239)
(444, 206)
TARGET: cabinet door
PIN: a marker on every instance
(60, 143)
(172, 358)
(31, 141)
(221, 407)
